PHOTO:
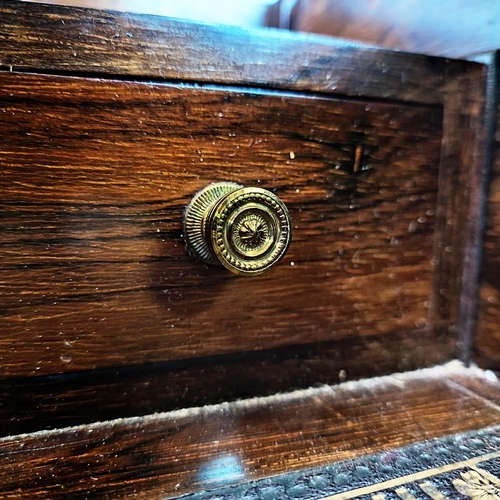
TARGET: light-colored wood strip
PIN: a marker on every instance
(430, 489)
(404, 494)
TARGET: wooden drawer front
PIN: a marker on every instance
(95, 176)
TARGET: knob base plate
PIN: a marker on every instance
(201, 204)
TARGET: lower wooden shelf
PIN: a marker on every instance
(181, 452)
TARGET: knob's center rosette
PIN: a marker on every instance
(247, 230)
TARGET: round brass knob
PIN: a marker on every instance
(245, 229)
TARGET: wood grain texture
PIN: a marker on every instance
(170, 454)
(51, 38)
(487, 345)
(95, 178)
(484, 384)
(48, 402)
(464, 166)
(96, 175)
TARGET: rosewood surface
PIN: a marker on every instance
(379, 155)
(169, 454)
(48, 402)
(37, 37)
(95, 178)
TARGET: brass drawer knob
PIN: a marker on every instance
(246, 229)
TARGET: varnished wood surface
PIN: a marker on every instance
(51, 38)
(95, 178)
(487, 345)
(484, 384)
(170, 454)
(464, 167)
(94, 196)
(48, 402)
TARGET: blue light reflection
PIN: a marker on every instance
(222, 470)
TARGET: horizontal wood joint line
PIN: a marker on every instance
(247, 87)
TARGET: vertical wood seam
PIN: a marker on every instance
(471, 276)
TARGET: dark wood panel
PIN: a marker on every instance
(170, 454)
(48, 402)
(36, 37)
(95, 178)
(67, 245)
(487, 345)
(464, 167)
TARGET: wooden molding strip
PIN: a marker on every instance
(51, 38)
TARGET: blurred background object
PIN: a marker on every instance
(242, 13)
(451, 28)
